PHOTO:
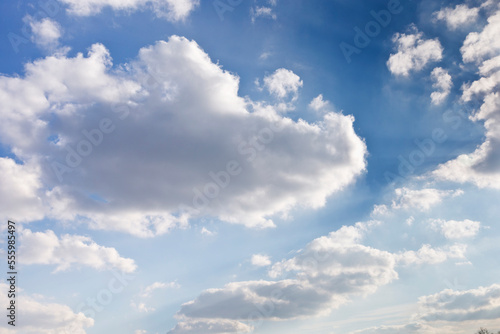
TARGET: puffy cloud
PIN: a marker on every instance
(452, 229)
(211, 326)
(428, 255)
(46, 33)
(327, 272)
(19, 191)
(70, 250)
(450, 311)
(422, 199)
(490, 79)
(481, 167)
(260, 260)
(480, 45)
(443, 84)
(318, 104)
(455, 306)
(413, 53)
(173, 10)
(457, 17)
(283, 82)
(39, 317)
(144, 146)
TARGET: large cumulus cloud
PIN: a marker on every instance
(142, 147)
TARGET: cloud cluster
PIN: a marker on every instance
(70, 250)
(143, 146)
(327, 273)
(484, 44)
(421, 199)
(455, 306)
(452, 229)
(481, 167)
(40, 317)
(449, 311)
(459, 16)
(428, 255)
(413, 53)
(173, 10)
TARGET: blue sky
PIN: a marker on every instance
(251, 166)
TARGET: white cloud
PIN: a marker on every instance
(414, 53)
(19, 184)
(480, 45)
(140, 331)
(318, 104)
(198, 129)
(211, 326)
(266, 12)
(443, 84)
(70, 250)
(452, 229)
(157, 286)
(173, 10)
(410, 221)
(206, 231)
(422, 199)
(380, 210)
(456, 306)
(283, 82)
(490, 65)
(329, 271)
(481, 167)
(38, 317)
(260, 260)
(46, 33)
(457, 17)
(326, 274)
(450, 311)
(428, 255)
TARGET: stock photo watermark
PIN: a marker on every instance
(11, 272)
(223, 6)
(46, 9)
(363, 37)
(220, 180)
(93, 305)
(426, 147)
